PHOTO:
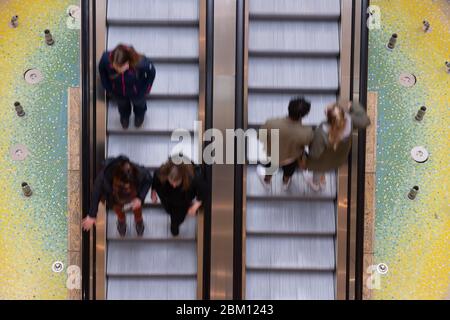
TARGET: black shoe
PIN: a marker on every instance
(174, 229)
(140, 228)
(122, 228)
(138, 121)
(125, 122)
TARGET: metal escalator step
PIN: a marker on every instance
(292, 38)
(290, 217)
(298, 190)
(153, 10)
(149, 150)
(293, 74)
(157, 42)
(295, 8)
(290, 252)
(175, 79)
(151, 257)
(157, 227)
(159, 288)
(162, 115)
(262, 107)
(285, 285)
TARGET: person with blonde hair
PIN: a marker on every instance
(332, 139)
(181, 189)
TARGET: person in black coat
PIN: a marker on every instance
(181, 189)
(128, 77)
(122, 184)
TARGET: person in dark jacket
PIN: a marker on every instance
(128, 78)
(124, 186)
(181, 189)
(331, 144)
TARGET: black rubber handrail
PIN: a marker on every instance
(364, 52)
(207, 169)
(239, 168)
(85, 141)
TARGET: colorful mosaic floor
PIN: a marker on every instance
(33, 148)
(412, 237)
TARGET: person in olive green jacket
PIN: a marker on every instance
(293, 137)
(331, 144)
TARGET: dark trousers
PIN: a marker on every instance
(177, 213)
(139, 106)
(288, 170)
(121, 215)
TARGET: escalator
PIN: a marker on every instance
(293, 49)
(157, 265)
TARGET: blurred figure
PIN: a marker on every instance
(181, 189)
(332, 140)
(128, 77)
(293, 137)
(122, 184)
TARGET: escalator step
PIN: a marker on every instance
(157, 227)
(153, 10)
(160, 288)
(290, 252)
(290, 217)
(149, 257)
(288, 285)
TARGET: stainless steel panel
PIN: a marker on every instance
(342, 201)
(285, 285)
(245, 123)
(157, 42)
(148, 150)
(223, 175)
(299, 7)
(293, 73)
(358, 23)
(265, 106)
(201, 118)
(297, 190)
(162, 115)
(153, 10)
(290, 252)
(100, 147)
(157, 227)
(151, 257)
(294, 37)
(291, 217)
(160, 288)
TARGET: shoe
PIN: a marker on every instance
(286, 185)
(140, 227)
(267, 185)
(122, 228)
(125, 122)
(174, 229)
(138, 121)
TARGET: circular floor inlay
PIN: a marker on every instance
(419, 154)
(382, 268)
(19, 152)
(407, 79)
(74, 19)
(57, 266)
(33, 76)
